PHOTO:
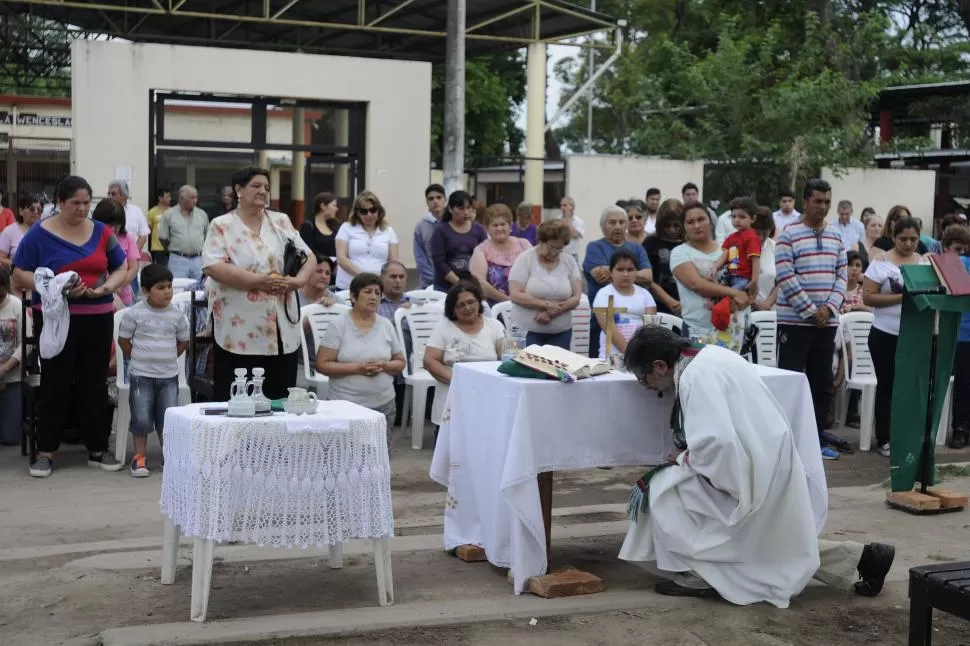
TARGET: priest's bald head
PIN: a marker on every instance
(651, 355)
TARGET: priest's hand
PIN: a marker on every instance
(672, 457)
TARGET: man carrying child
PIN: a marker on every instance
(152, 335)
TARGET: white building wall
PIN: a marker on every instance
(883, 188)
(596, 181)
(110, 102)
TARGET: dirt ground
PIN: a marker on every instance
(50, 593)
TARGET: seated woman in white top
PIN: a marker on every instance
(361, 353)
(627, 295)
(365, 242)
(464, 334)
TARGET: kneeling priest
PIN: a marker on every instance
(730, 515)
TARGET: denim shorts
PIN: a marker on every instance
(149, 397)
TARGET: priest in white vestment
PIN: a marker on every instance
(730, 514)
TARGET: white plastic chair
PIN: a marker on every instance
(767, 340)
(431, 295)
(580, 341)
(669, 321)
(943, 430)
(422, 320)
(123, 410)
(185, 297)
(343, 296)
(319, 319)
(502, 312)
(181, 284)
(861, 376)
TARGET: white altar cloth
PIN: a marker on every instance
(284, 480)
(500, 432)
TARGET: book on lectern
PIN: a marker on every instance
(951, 272)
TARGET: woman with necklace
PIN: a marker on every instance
(454, 240)
(361, 352)
(320, 233)
(256, 320)
(492, 259)
(463, 334)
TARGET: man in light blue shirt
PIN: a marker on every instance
(434, 195)
(853, 231)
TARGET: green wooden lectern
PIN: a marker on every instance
(924, 363)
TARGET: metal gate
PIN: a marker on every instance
(33, 165)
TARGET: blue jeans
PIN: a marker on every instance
(183, 267)
(560, 339)
(149, 397)
(739, 282)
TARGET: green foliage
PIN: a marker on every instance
(775, 87)
(494, 92)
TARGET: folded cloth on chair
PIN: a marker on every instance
(57, 318)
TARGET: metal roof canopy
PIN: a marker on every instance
(401, 29)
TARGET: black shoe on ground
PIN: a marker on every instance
(877, 559)
(671, 589)
(960, 439)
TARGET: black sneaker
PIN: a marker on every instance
(42, 467)
(873, 567)
(105, 461)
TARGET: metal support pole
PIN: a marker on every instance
(535, 137)
(589, 102)
(298, 173)
(454, 149)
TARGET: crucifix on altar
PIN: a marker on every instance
(610, 313)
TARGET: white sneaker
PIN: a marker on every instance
(884, 450)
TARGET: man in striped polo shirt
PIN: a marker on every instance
(811, 265)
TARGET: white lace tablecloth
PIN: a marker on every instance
(283, 481)
(500, 432)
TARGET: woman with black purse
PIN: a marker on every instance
(255, 262)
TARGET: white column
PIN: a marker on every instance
(262, 159)
(535, 137)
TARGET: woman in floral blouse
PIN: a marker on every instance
(252, 303)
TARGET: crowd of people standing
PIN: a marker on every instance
(674, 256)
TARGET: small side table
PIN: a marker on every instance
(279, 481)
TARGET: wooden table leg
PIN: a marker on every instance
(545, 499)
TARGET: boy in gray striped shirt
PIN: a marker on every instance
(152, 335)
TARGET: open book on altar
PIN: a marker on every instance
(560, 364)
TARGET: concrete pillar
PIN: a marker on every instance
(453, 156)
(262, 159)
(190, 175)
(298, 175)
(535, 133)
(274, 188)
(341, 172)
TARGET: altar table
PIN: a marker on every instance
(499, 433)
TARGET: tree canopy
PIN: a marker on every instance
(782, 84)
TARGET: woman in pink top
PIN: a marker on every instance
(492, 259)
(28, 211)
(112, 215)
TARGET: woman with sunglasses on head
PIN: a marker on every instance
(365, 242)
(636, 218)
(28, 212)
(454, 240)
